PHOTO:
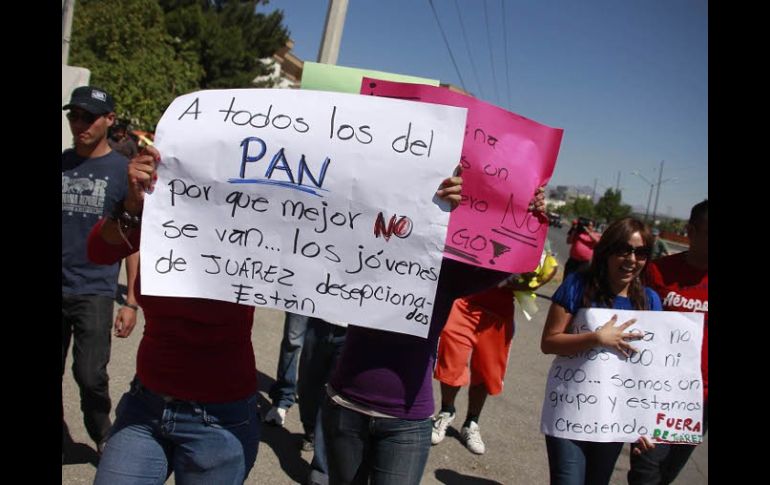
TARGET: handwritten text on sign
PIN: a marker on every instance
(302, 201)
(505, 158)
(601, 395)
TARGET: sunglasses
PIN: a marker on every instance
(641, 252)
(84, 116)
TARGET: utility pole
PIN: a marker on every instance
(332, 36)
(67, 12)
(617, 184)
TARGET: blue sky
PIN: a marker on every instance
(627, 80)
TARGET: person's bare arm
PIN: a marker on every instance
(125, 321)
(556, 340)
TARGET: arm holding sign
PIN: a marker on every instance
(557, 340)
(126, 223)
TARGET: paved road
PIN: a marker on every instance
(509, 424)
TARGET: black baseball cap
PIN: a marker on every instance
(94, 100)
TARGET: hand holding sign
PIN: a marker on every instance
(538, 203)
(613, 337)
(141, 178)
(451, 188)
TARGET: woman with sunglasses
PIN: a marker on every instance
(611, 281)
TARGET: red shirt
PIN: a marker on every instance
(192, 349)
(683, 288)
(582, 247)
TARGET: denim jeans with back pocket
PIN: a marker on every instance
(200, 443)
(382, 451)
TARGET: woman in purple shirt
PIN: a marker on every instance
(377, 420)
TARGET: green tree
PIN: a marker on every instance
(610, 207)
(129, 53)
(228, 37)
(673, 225)
(582, 207)
(148, 52)
(579, 207)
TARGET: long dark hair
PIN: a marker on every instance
(597, 283)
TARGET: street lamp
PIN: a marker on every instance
(660, 182)
(657, 195)
(649, 197)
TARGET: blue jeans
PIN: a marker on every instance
(323, 345)
(154, 436)
(662, 464)
(89, 319)
(573, 462)
(284, 389)
(381, 451)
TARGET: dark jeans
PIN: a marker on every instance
(153, 436)
(573, 462)
(380, 451)
(662, 464)
(322, 347)
(89, 319)
(284, 389)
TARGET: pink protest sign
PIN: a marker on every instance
(505, 158)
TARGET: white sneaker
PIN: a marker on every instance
(276, 416)
(471, 436)
(440, 423)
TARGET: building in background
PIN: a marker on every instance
(287, 69)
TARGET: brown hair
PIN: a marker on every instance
(597, 285)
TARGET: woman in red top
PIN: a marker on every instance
(583, 238)
(192, 407)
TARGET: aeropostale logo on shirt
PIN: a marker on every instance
(674, 299)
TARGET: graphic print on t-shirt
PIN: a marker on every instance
(82, 194)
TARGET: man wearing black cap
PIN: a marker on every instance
(94, 178)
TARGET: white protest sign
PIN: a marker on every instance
(600, 395)
(312, 202)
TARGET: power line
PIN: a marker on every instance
(505, 44)
(491, 61)
(446, 42)
(468, 49)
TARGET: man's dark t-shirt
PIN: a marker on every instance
(89, 189)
